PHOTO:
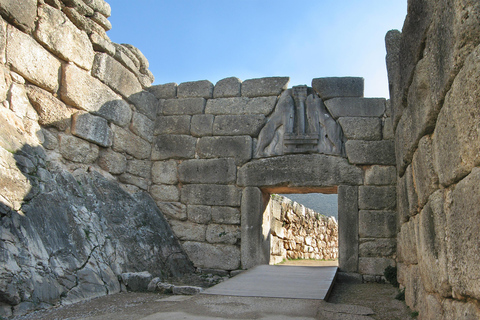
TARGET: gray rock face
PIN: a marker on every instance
(233, 125)
(370, 152)
(77, 150)
(272, 86)
(377, 198)
(173, 124)
(334, 87)
(357, 128)
(174, 146)
(116, 111)
(195, 89)
(146, 103)
(356, 107)
(238, 106)
(92, 128)
(212, 195)
(183, 106)
(125, 141)
(239, 148)
(164, 91)
(377, 224)
(228, 87)
(216, 171)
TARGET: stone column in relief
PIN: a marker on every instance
(255, 248)
(348, 228)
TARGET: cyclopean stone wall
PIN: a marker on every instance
(298, 232)
(434, 75)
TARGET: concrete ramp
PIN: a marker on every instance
(294, 282)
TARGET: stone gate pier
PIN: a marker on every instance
(220, 150)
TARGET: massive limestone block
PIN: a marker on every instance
(228, 87)
(381, 175)
(463, 218)
(377, 247)
(125, 141)
(392, 44)
(175, 210)
(146, 103)
(102, 44)
(173, 124)
(333, 87)
(199, 214)
(84, 23)
(132, 180)
(218, 233)
(21, 14)
(142, 126)
(211, 195)
(115, 75)
(348, 228)
(271, 86)
(173, 146)
(61, 36)
(239, 148)
(370, 152)
(165, 193)
(77, 150)
(117, 111)
(219, 171)
(358, 128)
(51, 111)
(164, 172)
(195, 89)
(235, 125)
(377, 224)
(377, 197)
(164, 91)
(183, 106)
(188, 231)
(374, 266)
(425, 177)
(31, 60)
(113, 162)
(457, 135)
(141, 168)
(241, 105)
(300, 171)
(406, 242)
(19, 102)
(92, 128)
(202, 125)
(214, 256)
(81, 90)
(225, 215)
(101, 20)
(356, 107)
(100, 6)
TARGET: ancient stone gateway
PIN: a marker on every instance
(228, 146)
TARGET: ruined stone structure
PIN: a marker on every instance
(298, 232)
(434, 75)
(94, 161)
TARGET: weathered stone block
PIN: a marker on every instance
(238, 106)
(101, 44)
(425, 177)
(175, 210)
(183, 106)
(378, 248)
(225, 215)
(125, 141)
(216, 171)
(374, 266)
(134, 180)
(228, 87)
(333, 87)
(84, 23)
(24, 54)
(272, 86)
(92, 128)
(81, 90)
(356, 107)
(186, 230)
(164, 91)
(142, 126)
(406, 242)
(202, 125)
(21, 14)
(199, 214)
(359, 128)
(215, 256)
(102, 21)
(381, 175)
(115, 75)
(164, 172)
(173, 146)
(141, 168)
(370, 152)
(221, 233)
(290, 171)
(387, 131)
(238, 148)
(19, 103)
(235, 125)
(377, 198)
(172, 125)
(146, 103)
(348, 228)
(377, 224)
(61, 36)
(463, 218)
(117, 111)
(112, 161)
(212, 195)
(126, 58)
(195, 89)
(77, 150)
(165, 193)
(454, 309)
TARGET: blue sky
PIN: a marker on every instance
(188, 40)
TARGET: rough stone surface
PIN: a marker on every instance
(61, 36)
(199, 214)
(202, 125)
(215, 256)
(212, 195)
(175, 210)
(141, 168)
(425, 177)
(374, 266)
(101, 44)
(146, 103)
(112, 161)
(195, 89)
(92, 128)
(225, 215)
(142, 126)
(376, 247)
(77, 150)
(234, 125)
(173, 146)
(136, 281)
(125, 141)
(164, 91)
(165, 193)
(357, 128)
(377, 198)
(228, 87)
(220, 233)
(183, 106)
(164, 172)
(272, 86)
(406, 245)
(377, 224)
(356, 107)
(290, 171)
(241, 105)
(380, 175)
(117, 111)
(348, 228)
(173, 124)
(370, 152)
(21, 14)
(239, 148)
(333, 87)
(133, 180)
(215, 171)
(31, 60)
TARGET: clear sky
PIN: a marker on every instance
(189, 40)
